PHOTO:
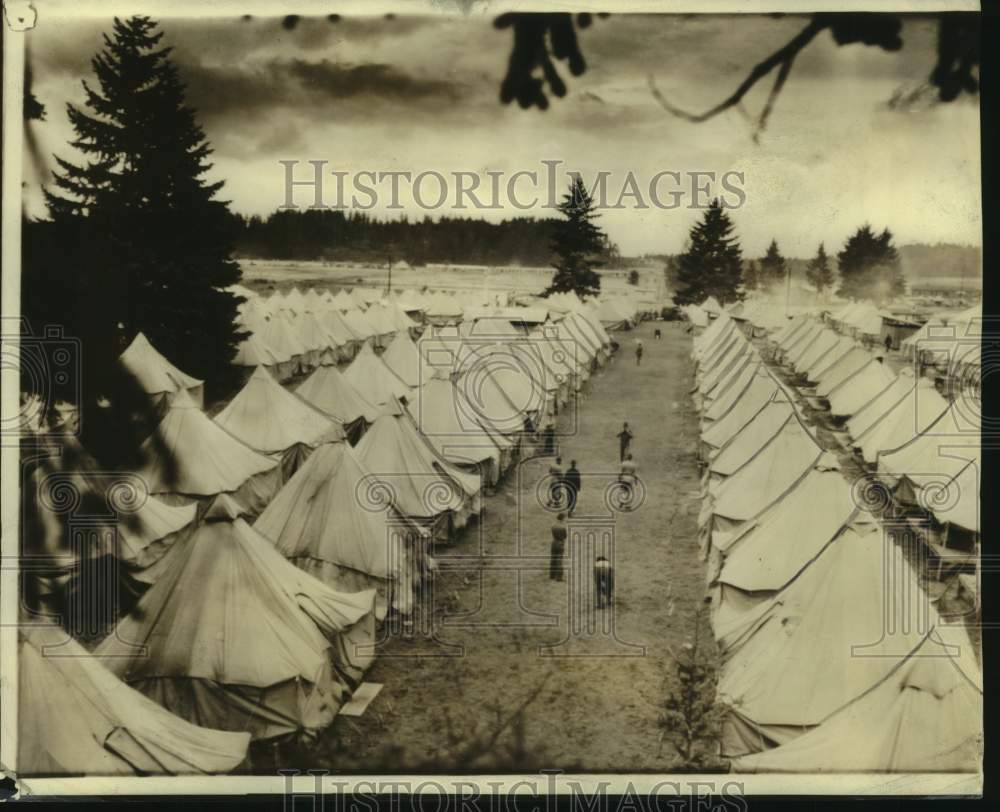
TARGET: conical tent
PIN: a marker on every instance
(155, 374)
(235, 636)
(422, 485)
(441, 416)
(825, 341)
(270, 419)
(326, 389)
(926, 716)
(823, 643)
(76, 718)
(321, 522)
(403, 358)
(359, 324)
(373, 380)
(144, 538)
(189, 455)
(281, 338)
(253, 352)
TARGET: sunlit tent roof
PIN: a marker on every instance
(940, 467)
(924, 717)
(825, 341)
(769, 552)
(77, 718)
(282, 339)
(712, 333)
(421, 483)
(896, 416)
(189, 454)
(237, 636)
(359, 324)
(855, 391)
(145, 536)
(441, 415)
(697, 316)
(403, 358)
(327, 389)
(269, 418)
(711, 306)
(253, 352)
(823, 643)
(373, 380)
(765, 478)
(760, 430)
(323, 521)
(154, 373)
(734, 361)
(837, 373)
(311, 333)
(818, 367)
(488, 401)
(338, 328)
(444, 305)
(746, 394)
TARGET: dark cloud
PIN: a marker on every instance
(298, 83)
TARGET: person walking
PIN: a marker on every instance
(549, 440)
(556, 485)
(638, 351)
(888, 343)
(573, 482)
(628, 475)
(558, 551)
(656, 334)
(604, 582)
(624, 441)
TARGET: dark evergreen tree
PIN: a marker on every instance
(712, 265)
(751, 276)
(773, 268)
(818, 272)
(578, 244)
(153, 240)
(869, 267)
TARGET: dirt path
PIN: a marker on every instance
(504, 630)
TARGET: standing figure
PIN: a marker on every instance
(604, 582)
(888, 343)
(573, 482)
(638, 351)
(549, 440)
(624, 441)
(656, 333)
(556, 485)
(558, 552)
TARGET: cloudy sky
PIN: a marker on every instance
(421, 93)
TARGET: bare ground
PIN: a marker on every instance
(507, 635)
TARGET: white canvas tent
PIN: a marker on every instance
(328, 390)
(272, 420)
(158, 378)
(235, 636)
(189, 457)
(76, 718)
(373, 380)
(321, 522)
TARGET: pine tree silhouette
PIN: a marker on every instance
(712, 265)
(152, 238)
(869, 267)
(818, 272)
(577, 244)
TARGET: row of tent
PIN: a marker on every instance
(833, 659)
(273, 537)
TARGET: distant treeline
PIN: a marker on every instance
(357, 237)
(941, 260)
